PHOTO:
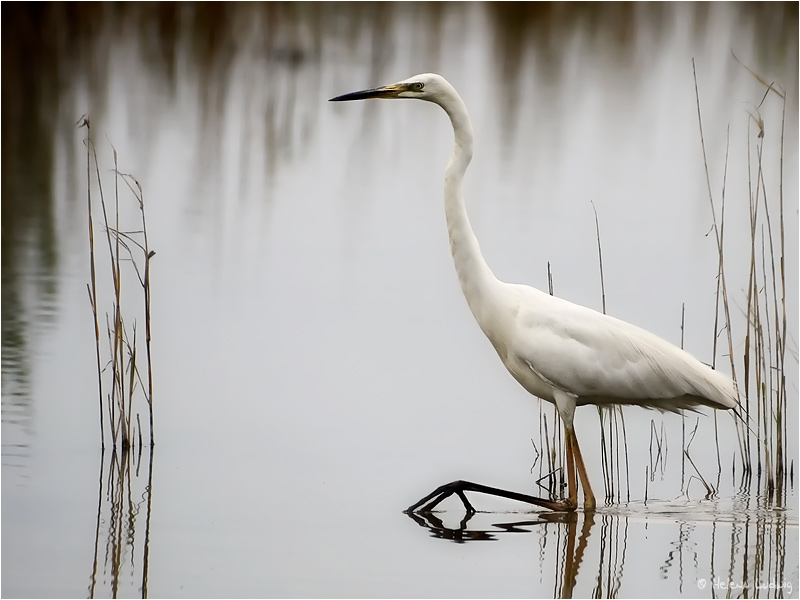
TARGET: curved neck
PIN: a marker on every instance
(477, 280)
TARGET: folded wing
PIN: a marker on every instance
(602, 360)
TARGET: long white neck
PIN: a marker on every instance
(477, 281)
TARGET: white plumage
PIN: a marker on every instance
(561, 352)
(603, 360)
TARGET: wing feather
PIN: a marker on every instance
(603, 360)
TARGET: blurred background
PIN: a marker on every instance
(315, 367)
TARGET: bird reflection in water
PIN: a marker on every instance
(568, 560)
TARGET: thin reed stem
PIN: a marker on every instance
(121, 369)
(92, 287)
(718, 234)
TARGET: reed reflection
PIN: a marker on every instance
(59, 62)
(569, 554)
(584, 554)
(194, 73)
(738, 548)
(121, 549)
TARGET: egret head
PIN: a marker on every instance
(427, 86)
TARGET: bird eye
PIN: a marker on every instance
(418, 86)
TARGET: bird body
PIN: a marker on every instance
(549, 343)
(562, 352)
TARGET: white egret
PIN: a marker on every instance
(561, 352)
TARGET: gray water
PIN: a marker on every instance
(316, 369)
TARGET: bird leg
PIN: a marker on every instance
(574, 462)
(572, 446)
(429, 502)
(572, 482)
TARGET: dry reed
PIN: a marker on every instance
(119, 378)
(762, 393)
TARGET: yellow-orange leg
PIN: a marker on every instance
(572, 483)
(588, 496)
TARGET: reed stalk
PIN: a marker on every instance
(122, 368)
(92, 286)
(557, 444)
(722, 285)
(763, 396)
(609, 456)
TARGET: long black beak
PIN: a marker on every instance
(387, 91)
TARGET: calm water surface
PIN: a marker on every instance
(316, 369)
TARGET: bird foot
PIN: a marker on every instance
(429, 502)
